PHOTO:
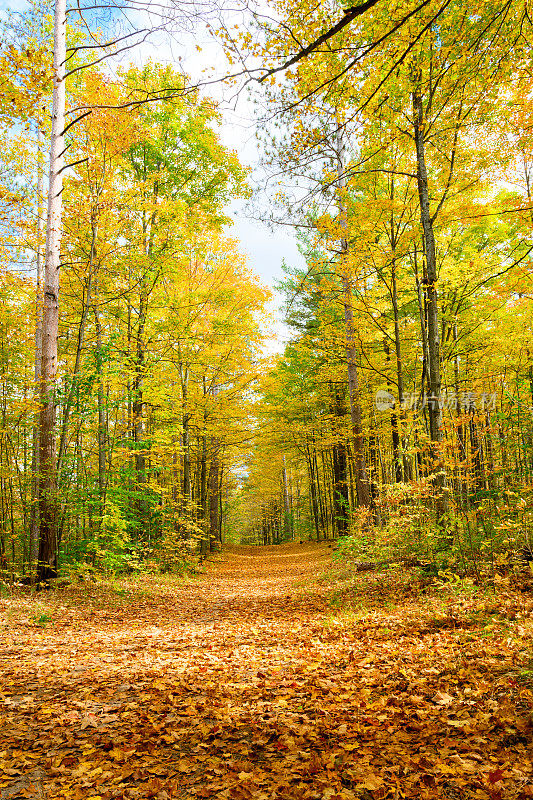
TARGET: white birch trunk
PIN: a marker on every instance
(48, 539)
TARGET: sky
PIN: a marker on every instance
(267, 248)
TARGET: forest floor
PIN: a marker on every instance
(277, 674)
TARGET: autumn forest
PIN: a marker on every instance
(306, 494)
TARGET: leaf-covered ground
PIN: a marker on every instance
(272, 676)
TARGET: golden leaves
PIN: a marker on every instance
(242, 685)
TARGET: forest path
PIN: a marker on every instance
(245, 684)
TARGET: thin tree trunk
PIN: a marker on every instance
(102, 422)
(47, 423)
(491, 478)
(461, 430)
(476, 451)
(405, 466)
(395, 434)
(341, 502)
(361, 476)
(328, 499)
(204, 544)
(214, 489)
(433, 328)
(138, 424)
(213, 497)
(286, 502)
(220, 514)
(319, 493)
(312, 492)
(185, 435)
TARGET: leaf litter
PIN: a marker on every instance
(249, 684)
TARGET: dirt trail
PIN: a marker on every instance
(243, 683)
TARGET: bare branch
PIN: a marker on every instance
(349, 15)
(78, 119)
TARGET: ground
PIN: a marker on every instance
(275, 674)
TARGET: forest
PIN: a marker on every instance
(266, 496)
(144, 419)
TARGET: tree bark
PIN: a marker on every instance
(204, 544)
(184, 377)
(395, 434)
(433, 328)
(47, 424)
(462, 488)
(286, 502)
(214, 498)
(214, 490)
(405, 468)
(138, 423)
(102, 422)
(361, 476)
(75, 372)
(341, 503)
(313, 496)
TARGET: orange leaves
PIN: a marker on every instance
(371, 782)
(442, 699)
(24, 80)
(89, 720)
(244, 686)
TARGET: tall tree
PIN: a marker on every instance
(48, 510)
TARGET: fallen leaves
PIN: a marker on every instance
(442, 699)
(89, 720)
(241, 687)
(371, 782)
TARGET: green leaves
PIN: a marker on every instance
(178, 154)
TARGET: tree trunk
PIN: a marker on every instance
(433, 328)
(476, 451)
(462, 488)
(63, 440)
(341, 503)
(313, 495)
(405, 465)
(214, 490)
(395, 434)
(138, 424)
(184, 376)
(213, 498)
(204, 544)
(102, 422)
(361, 476)
(286, 502)
(327, 495)
(47, 422)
